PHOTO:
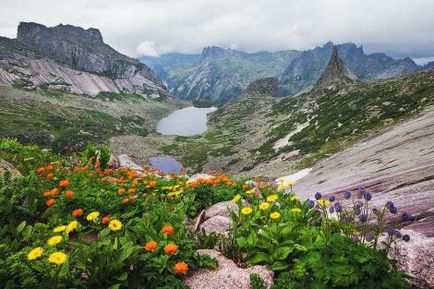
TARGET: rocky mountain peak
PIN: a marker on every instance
(213, 51)
(336, 74)
(268, 86)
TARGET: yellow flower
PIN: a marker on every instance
(275, 215)
(53, 241)
(59, 229)
(290, 182)
(57, 258)
(250, 192)
(296, 210)
(323, 202)
(246, 211)
(92, 216)
(295, 198)
(71, 226)
(35, 253)
(236, 199)
(272, 198)
(115, 225)
(263, 206)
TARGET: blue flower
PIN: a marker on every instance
(406, 238)
(405, 217)
(354, 239)
(390, 204)
(338, 207)
(318, 196)
(363, 218)
(315, 222)
(393, 210)
(310, 204)
(332, 198)
(331, 210)
(347, 195)
(368, 196)
(369, 236)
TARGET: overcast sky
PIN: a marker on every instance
(152, 27)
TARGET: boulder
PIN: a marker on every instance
(200, 176)
(416, 258)
(227, 276)
(216, 219)
(126, 162)
(7, 167)
(221, 209)
(217, 224)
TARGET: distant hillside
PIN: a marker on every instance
(217, 74)
(72, 59)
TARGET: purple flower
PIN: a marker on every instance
(390, 231)
(397, 234)
(390, 204)
(338, 207)
(363, 218)
(310, 204)
(360, 192)
(347, 195)
(393, 210)
(332, 198)
(369, 236)
(368, 196)
(358, 204)
(405, 217)
(315, 222)
(354, 239)
(406, 238)
(375, 211)
(331, 210)
(318, 196)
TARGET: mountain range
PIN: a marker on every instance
(221, 74)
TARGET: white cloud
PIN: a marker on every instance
(398, 27)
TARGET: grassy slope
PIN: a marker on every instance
(73, 120)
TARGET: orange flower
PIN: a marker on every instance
(90, 175)
(131, 190)
(170, 249)
(152, 184)
(121, 191)
(135, 182)
(47, 194)
(77, 213)
(105, 220)
(49, 168)
(55, 192)
(167, 230)
(40, 170)
(50, 176)
(181, 267)
(125, 200)
(69, 194)
(50, 202)
(151, 246)
(107, 171)
(64, 183)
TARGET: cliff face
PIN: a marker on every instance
(71, 58)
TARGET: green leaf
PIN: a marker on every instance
(282, 253)
(259, 257)
(21, 226)
(116, 286)
(122, 277)
(300, 247)
(278, 266)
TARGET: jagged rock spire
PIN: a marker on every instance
(336, 75)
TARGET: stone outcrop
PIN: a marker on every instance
(227, 276)
(7, 167)
(266, 86)
(216, 219)
(72, 59)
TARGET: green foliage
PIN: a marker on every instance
(256, 282)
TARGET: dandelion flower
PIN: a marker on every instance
(115, 225)
(35, 253)
(263, 206)
(246, 211)
(323, 202)
(57, 258)
(275, 215)
(168, 230)
(92, 216)
(151, 246)
(181, 267)
(71, 226)
(250, 192)
(59, 229)
(272, 198)
(170, 249)
(296, 210)
(236, 199)
(53, 241)
(295, 198)
(291, 182)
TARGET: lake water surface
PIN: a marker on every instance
(166, 164)
(188, 121)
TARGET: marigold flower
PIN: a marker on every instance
(105, 220)
(115, 225)
(50, 202)
(47, 194)
(40, 170)
(263, 206)
(152, 184)
(57, 258)
(236, 199)
(77, 213)
(246, 211)
(181, 268)
(90, 175)
(125, 200)
(55, 192)
(50, 176)
(64, 183)
(296, 210)
(151, 246)
(69, 194)
(53, 241)
(59, 229)
(170, 249)
(71, 226)
(92, 216)
(246, 186)
(275, 215)
(272, 198)
(49, 168)
(121, 191)
(131, 190)
(35, 253)
(167, 230)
